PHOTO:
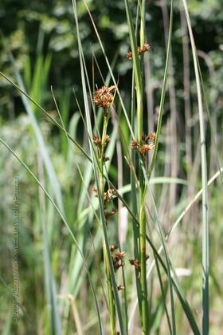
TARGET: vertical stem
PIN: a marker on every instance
(139, 114)
(205, 222)
(111, 300)
(142, 216)
(143, 282)
(139, 87)
(142, 22)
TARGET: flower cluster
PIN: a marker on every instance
(136, 263)
(108, 196)
(117, 260)
(101, 144)
(117, 257)
(145, 147)
(103, 97)
(140, 50)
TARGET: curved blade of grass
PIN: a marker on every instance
(205, 222)
(197, 196)
(47, 161)
(47, 114)
(213, 131)
(177, 289)
(62, 218)
(167, 257)
(12, 296)
(55, 319)
(160, 309)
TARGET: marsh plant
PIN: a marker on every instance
(119, 243)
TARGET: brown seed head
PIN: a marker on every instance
(113, 247)
(106, 139)
(140, 50)
(103, 97)
(151, 137)
(109, 194)
(119, 255)
(134, 144)
(145, 148)
(143, 49)
(97, 140)
(136, 263)
(129, 55)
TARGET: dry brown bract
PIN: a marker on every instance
(136, 263)
(140, 50)
(117, 260)
(103, 97)
(144, 147)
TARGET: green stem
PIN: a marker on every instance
(142, 22)
(111, 300)
(139, 114)
(142, 215)
(139, 95)
(143, 282)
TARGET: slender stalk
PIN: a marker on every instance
(111, 300)
(143, 188)
(143, 281)
(205, 223)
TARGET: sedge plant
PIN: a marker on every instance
(129, 300)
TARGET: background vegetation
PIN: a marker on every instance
(61, 265)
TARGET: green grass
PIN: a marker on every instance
(68, 280)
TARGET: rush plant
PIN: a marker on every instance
(118, 258)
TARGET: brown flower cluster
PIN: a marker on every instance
(103, 97)
(108, 196)
(117, 257)
(136, 263)
(101, 144)
(145, 147)
(151, 137)
(117, 260)
(140, 50)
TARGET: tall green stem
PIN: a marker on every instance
(111, 300)
(143, 282)
(142, 216)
